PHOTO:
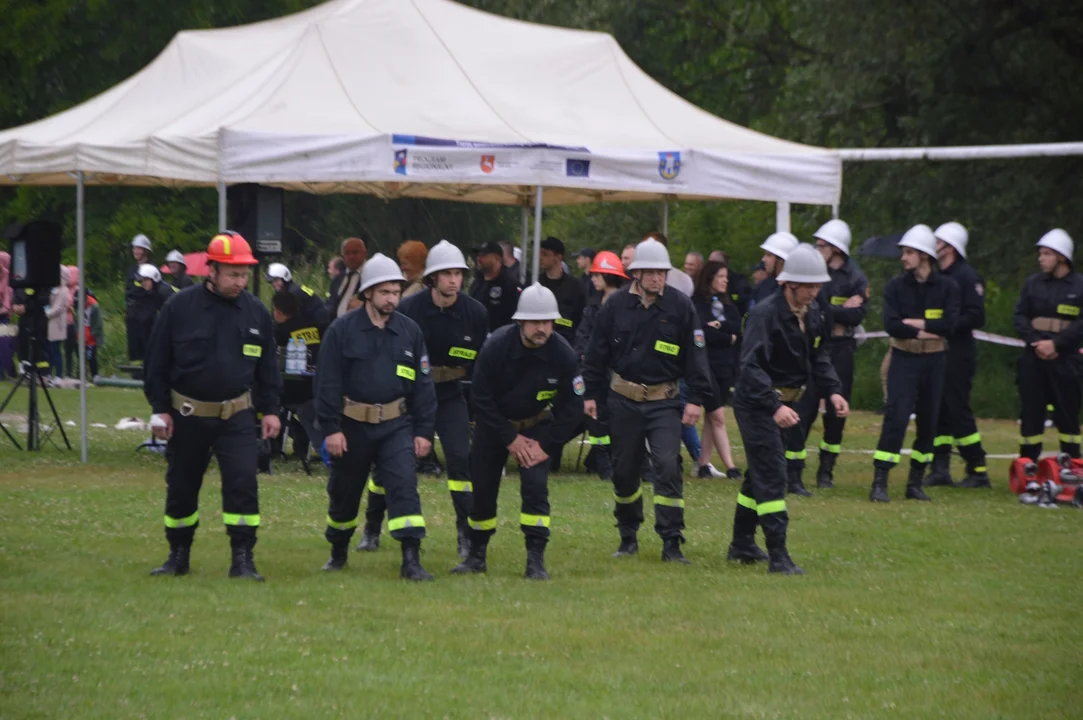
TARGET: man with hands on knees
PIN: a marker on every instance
(376, 403)
(782, 357)
(527, 399)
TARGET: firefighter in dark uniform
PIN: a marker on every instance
(782, 356)
(178, 270)
(956, 423)
(775, 249)
(568, 290)
(1047, 317)
(454, 327)
(921, 309)
(375, 402)
(133, 294)
(211, 367)
(313, 309)
(495, 286)
(645, 340)
(844, 302)
(527, 397)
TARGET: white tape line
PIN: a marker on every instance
(978, 335)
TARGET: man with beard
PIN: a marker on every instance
(495, 286)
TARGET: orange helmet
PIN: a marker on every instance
(607, 263)
(229, 248)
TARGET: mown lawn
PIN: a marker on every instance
(963, 608)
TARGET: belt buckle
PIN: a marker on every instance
(186, 409)
(672, 391)
(225, 411)
(379, 412)
(643, 389)
(402, 406)
(800, 392)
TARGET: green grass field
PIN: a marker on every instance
(964, 608)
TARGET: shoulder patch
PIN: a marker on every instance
(578, 385)
(979, 289)
(495, 292)
(698, 336)
(425, 364)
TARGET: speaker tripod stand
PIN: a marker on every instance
(34, 435)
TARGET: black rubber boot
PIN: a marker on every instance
(746, 552)
(338, 557)
(370, 539)
(464, 542)
(913, 485)
(244, 564)
(629, 546)
(671, 551)
(941, 471)
(976, 480)
(825, 474)
(411, 561)
(796, 486)
(775, 526)
(176, 563)
(475, 561)
(879, 486)
(743, 548)
(535, 559)
(782, 564)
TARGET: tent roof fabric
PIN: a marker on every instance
(411, 98)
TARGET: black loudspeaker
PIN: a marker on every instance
(35, 254)
(258, 214)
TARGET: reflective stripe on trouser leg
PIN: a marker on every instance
(534, 497)
(346, 484)
(453, 429)
(603, 440)
(828, 448)
(235, 446)
(793, 438)
(397, 464)
(376, 505)
(240, 520)
(745, 517)
(765, 481)
(663, 430)
(970, 448)
(487, 459)
(628, 454)
(187, 455)
(184, 522)
(930, 387)
(1035, 390)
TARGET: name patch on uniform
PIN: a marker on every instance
(1068, 310)
(307, 290)
(546, 394)
(816, 342)
(578, 385)
(934, 314)
(564, 322)
(667, 348)
(464, 353)
(310, 335)
(252, 350)
(837, 300)
(405, 371)
(697, 335)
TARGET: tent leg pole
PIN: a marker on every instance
(80, 244)
(782, 217)
(835, 211)
(525, 217)
(221, 205)
(537, 232)
(665, 217)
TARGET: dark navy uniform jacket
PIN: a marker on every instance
(514, 382)
(570, 302)
(313, 310)
(846, 282)
(765, 289)
(212, 349)
(374, 365)
(500, 296)
(1043, 295)
(936, 301)
(647, 345)
(971, 302)
(453, 335)
(775, 353)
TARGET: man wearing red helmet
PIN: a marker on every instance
(211, 367)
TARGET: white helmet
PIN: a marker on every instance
(445, 256)
(379, 269)
(175, 256)
(837, 234)
(805, 265)
(780, 244)
(278, 271)
(920, 238)
(537, 302)
(141, 241)
(149, 272)
(955, 235)
(1059, 241)
(650, 255)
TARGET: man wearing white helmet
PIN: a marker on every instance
(921, 309)
(454, 326)
(376, 405)
(314, 311)
(1047, 317)
(956, 422)
(645, 341)
(133, 294)
(527, 398)
(178, 270)
(782, 355)
(775, 248)
(844, 302)
(143, 309)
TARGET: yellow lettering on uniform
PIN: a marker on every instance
(563, 321)
(667, 348)
(816, 342)
(405, 371)
(464, 353)
(252, 351)
(307, 290)
(934, 314)
(546, 394)
(310, 335)
(1072, 310)
(836, 300)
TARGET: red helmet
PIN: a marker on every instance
(607, 263)
(229, 248)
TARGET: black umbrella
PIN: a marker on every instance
(886, 246)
